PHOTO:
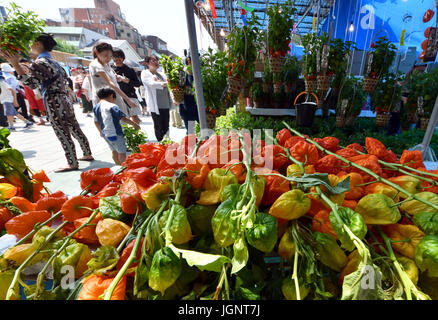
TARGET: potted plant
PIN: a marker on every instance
(279, 33)
(214, 81)
(19, 30)
(351, 100)
(174, 70)
(380, 58)
(267, 79)
(386, 97)
(243, 48)
(257, 94)
(276, 100)
(428, 83)
(277, 82)
(311, 46)
(291, 71)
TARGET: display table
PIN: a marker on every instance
(268, 112)
(271, 112)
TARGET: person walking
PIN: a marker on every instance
(11, 79)
(158, 101)
(189, 109)
(47, 74)
(87, 96)
(8, 98)
(127, 80)
(103, 76)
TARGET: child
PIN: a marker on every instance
(8, 98)
(107, 117)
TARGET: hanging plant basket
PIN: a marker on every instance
(178, 95)
(424, 123)
(324, 81)
(211, 120)
(340, 121)
(234, 85)
(276, 64)
(382, 119)
(370, 84)
(311, 85)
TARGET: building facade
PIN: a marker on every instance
(105, 18)
(77, 36)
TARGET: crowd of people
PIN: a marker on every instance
(108, 90)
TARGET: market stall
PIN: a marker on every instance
(290, 213)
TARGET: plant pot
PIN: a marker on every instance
(234, 85)
(370, 84)
(424, 123)
(311, 85)
(178, 95)
(382, 119)
(276, 64)
(340, 122)
(349, 121)
(211, 121)
(324, 82)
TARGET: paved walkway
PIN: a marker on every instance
(42, 150)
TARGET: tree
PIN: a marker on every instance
(64, 46)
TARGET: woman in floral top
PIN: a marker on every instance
(46, 74)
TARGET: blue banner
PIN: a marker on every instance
(361, 20)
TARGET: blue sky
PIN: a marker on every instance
(164, 18)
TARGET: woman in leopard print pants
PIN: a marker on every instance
(47, 75)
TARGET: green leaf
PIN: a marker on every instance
(321, 179)
(203, 261)
(241, 255)
(365, 283)
(110, 208)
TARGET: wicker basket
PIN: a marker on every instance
(324, 82)
(349, 121)
(340, 122)
(370, 84)
(311, 85)
(234, 85)
(259, 65)
(178, 95)
(211, 121)
(424, 123)
(382, 119)
(276, 64)
(277, 87)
